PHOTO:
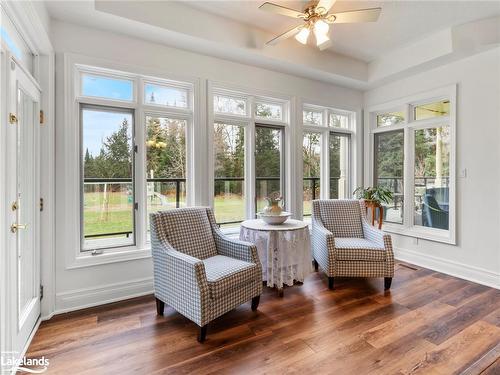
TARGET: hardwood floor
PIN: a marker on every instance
(428, 323)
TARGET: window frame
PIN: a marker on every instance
(248, 122)
(408, 227)
(73, 66)
(325, 130)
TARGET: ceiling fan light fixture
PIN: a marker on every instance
(321, 27)
(303, 35)
(320, 38)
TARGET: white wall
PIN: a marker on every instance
(477, 254)
(98, 284)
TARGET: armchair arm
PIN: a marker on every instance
(235, 248)
(323, 244)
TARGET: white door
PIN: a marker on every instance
(23, 205)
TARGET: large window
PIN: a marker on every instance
(268, 163)
(130, 166)
(311, 162)
(229, 170)
(413, 151)
(107, 186)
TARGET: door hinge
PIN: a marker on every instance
(41, 204)
(136, 149)
(42, 117)
(41, 292)
(136, 206)
(12, 118)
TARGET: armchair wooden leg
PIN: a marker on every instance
(255, 303)
(160, 306)
(330, 283)
(387, 283)
(316, 265)
(202, 334)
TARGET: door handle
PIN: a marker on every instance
(15, 227)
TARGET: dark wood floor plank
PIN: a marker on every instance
(427, 323)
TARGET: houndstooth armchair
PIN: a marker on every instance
(199, 271)
(345, 244)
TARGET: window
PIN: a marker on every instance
(416, 162)
(311, 155)
(165, 96)
(108, 188)
(229, 171)
(432, 177)
(106, 87)
(339, 165)
(430, 110)
(336, 120)
(230, 105)
(268, 163)
(390, 118)
(389, 158)
(9, 34)
(312, 117)
(135, 157)
(165, 163)
(269, 111)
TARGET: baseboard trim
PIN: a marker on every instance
(90, 297)
(460, 270)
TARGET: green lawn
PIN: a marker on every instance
(119, 216)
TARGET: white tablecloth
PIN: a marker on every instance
(284, 251)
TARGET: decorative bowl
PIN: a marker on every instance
(275, 219)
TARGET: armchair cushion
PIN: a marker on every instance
(342, 217)
(188, 231)
(225, 274)
(359, 249)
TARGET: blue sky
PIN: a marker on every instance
(98, 125)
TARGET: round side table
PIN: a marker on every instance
(284, 250)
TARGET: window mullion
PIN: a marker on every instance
(408, 172)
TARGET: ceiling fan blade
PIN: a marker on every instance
(275, 8)
(285, 35)
(361, 15)
(325, 4)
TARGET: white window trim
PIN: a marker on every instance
(249, 122)
(70, 178)
(408, 228)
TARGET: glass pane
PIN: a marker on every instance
(389, 162)
(10, 35)
(165, 95)
(312, 117)
(165, 163)
(227, 104)
(338, 121)
(269, 111)
(106, 87)
(390, 118)
(267, 164)
(339, 166)
(311, 154)
(436, 109)
(229, 157)
(108, 198)
(432, 177)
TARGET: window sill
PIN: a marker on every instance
(429, 234)
(107, 257)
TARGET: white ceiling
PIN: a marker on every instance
(400, 23)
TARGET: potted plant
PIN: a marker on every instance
(374, 197)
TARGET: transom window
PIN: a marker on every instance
(118, 191)
(414, 158)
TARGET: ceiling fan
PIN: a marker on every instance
(317, 19)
